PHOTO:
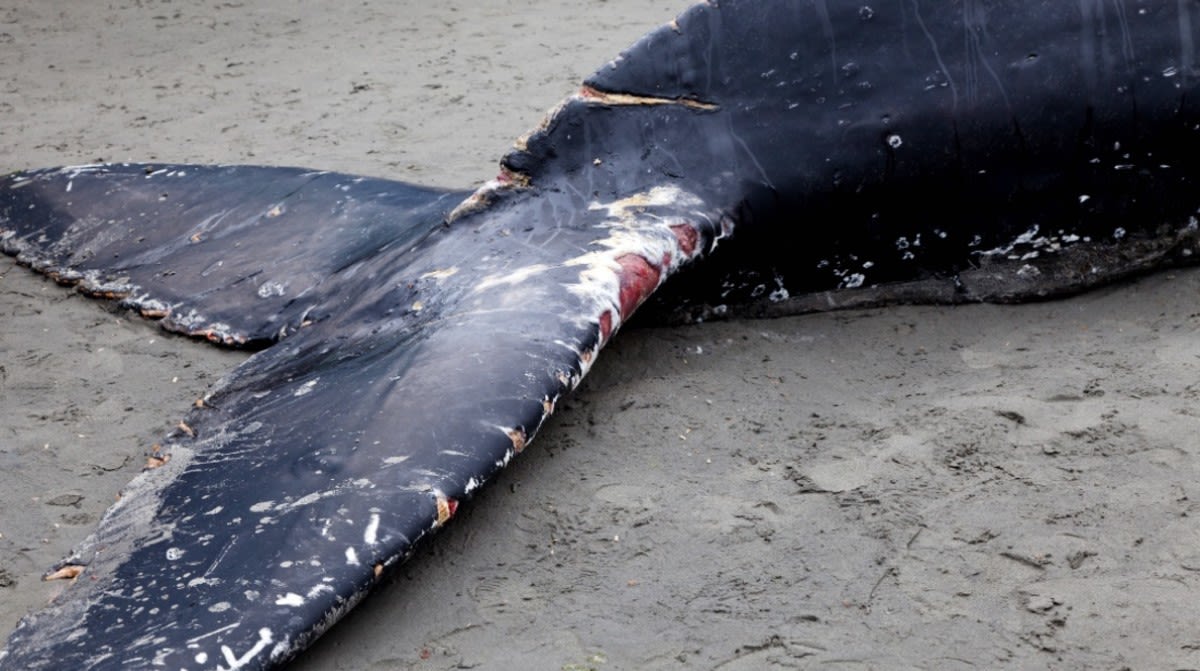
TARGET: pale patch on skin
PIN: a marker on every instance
(513, 277)
(369, 534)
(318, 589)
(440, 274)
(472, 485)
(290, 599)
(307, 387)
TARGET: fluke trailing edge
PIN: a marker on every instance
(414, 340)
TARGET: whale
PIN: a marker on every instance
(731, 148)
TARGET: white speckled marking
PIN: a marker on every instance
(318, 589)
(369, 534)
(269, 289)
(307, 387)
(472, 485)
(290, 599)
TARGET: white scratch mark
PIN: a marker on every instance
(372, 529)
(264, 639)
(307, 387)
(212, 633)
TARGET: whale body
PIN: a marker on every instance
(750, 158)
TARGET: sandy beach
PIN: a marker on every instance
(909, 487)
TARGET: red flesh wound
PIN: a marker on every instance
(686, 237)
(605, 326)
(638, 278)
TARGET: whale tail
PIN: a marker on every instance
(234, 254)
(413, 341)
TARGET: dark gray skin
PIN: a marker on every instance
(421, 340)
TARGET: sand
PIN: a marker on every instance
(911, 487)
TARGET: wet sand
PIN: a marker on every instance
(912, 487)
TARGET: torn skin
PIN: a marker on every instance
(156, 461)
(592, 94)
(446, 507)
(67, 572)
(638, 280)
(606, 326)
(510, 177)
(518, 438)
(687, 237)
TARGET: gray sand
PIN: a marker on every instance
(914, 487)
